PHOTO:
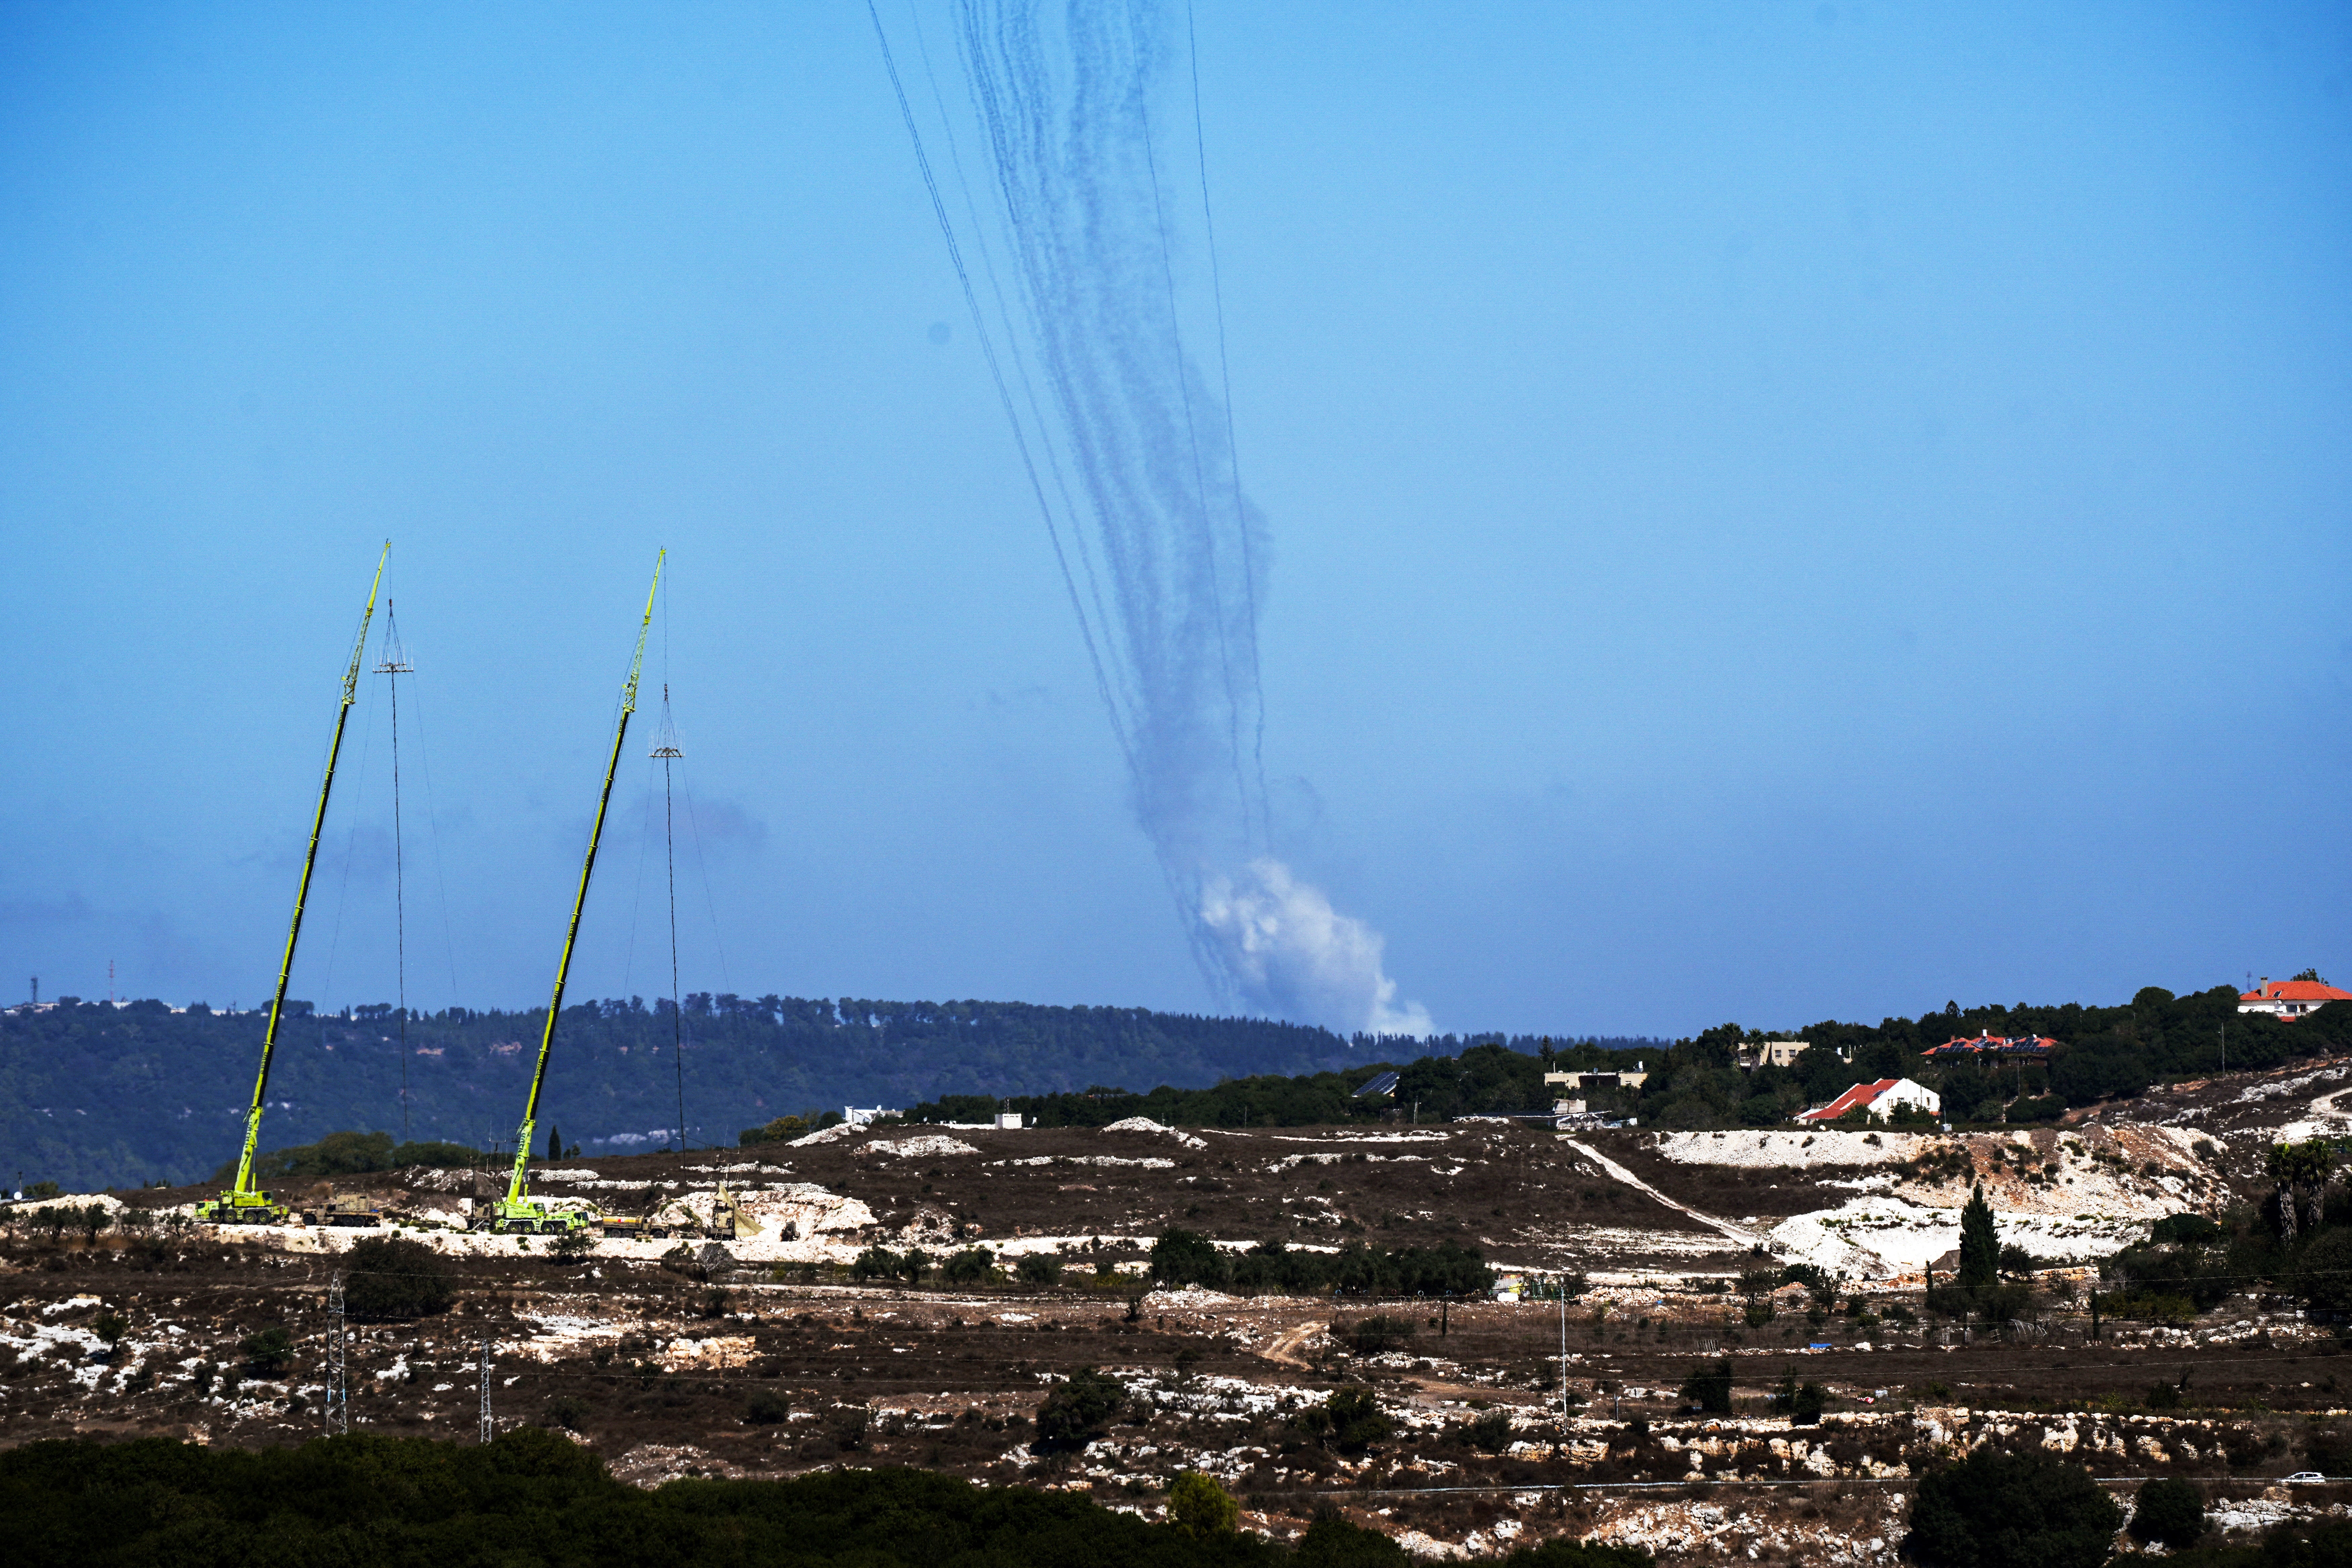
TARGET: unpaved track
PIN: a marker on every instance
(1738, 1233)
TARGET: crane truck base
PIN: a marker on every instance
(243, 1209)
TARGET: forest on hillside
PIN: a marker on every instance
(93, 1094)
(2103, 1053)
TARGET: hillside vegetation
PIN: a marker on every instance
(93, 1095)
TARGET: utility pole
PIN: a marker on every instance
(488, 1431)
(339, 1391)
(1563, 1356)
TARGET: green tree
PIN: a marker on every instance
(2301, 1172)
(1561, 1553)
(1979, 1244)
(1077, 1410)
(2012, 1510)
(1349, 1422)
(972, 1266)
(2323, 1274)
(1187, 1257)
(1708, 1388)
(267, 1350)
(1198, 1506)
(1332, 1543)
(1040, 1268)
(396, 1279)
(2169, 1510)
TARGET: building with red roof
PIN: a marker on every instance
(2287, 1000)
(2032, 1047)
(1878, 1099)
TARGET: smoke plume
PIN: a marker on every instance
(1299, 957)
(1089, 261)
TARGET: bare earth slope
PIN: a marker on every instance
(758, 1356)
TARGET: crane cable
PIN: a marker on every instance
(667, 752)
(394, 664)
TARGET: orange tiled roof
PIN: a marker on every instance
(2294, 990)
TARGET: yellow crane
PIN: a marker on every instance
(518, 1211)
(242, 1204)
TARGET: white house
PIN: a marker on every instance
(2287, 1000)
(1878, 1099)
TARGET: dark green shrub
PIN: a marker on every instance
(267, 1350)
(1708, 1389)
(1332, 1543)
(395, 1279)
(1372, 1335)
(534, 1495)
(2012, 1510)
(1563, 1553)
(1188, 1257)
(568, 1411)
(1349, 1421)
(2322, 1275)
(972, 1266)
(1802, 1403)
(875, 1263)
(1040, 1268)
(2170, 1510)
(766, 1407)
(1077, 1410)
(1491, 1432)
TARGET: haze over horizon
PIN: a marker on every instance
(1800, 513)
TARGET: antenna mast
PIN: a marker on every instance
(666, 749)
(395, 664)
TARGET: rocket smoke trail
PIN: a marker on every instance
(1090, 172)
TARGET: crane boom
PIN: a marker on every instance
(241, 1202)
(518, 1211)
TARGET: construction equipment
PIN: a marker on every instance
(242, 1204)
(730, 1219)
(518, 1211)
(346, 1208)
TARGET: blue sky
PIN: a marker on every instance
(1777, 511)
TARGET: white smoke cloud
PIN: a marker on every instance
(1291, 954)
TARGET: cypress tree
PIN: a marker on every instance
(556, 1149)
(1980, 1244)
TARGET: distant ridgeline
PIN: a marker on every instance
(93, 1094)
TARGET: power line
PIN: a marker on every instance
(339, 1393)
(666, 748)
(393, 665)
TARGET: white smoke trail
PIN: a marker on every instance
(1294, 955)
(1089, 162)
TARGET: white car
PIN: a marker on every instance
(2305, 1476)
